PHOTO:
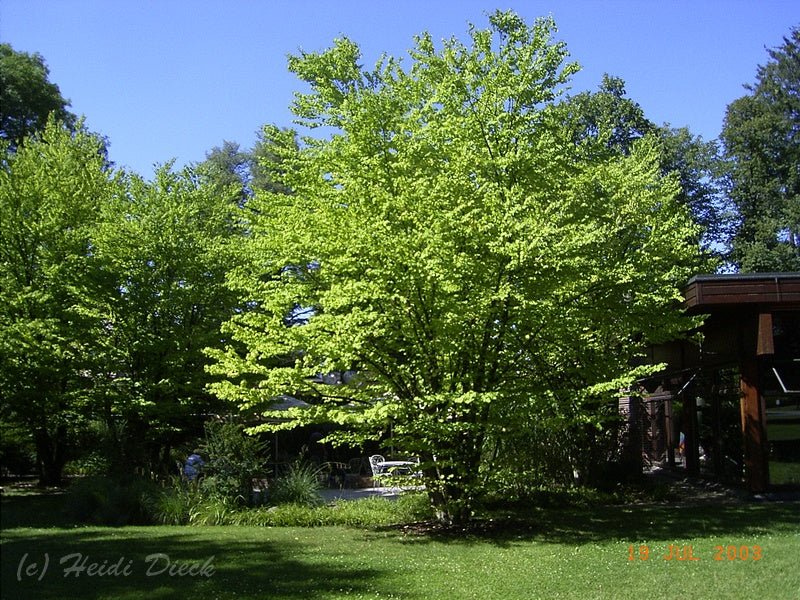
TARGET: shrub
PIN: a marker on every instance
(106, 501)
(93, 464)
(185, 504)
(234, 460)
(294, 515)
(367, 512)
(17, 452)
(408, 508)
(214, 511)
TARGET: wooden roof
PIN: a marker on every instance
(774, 290)
(756, 315)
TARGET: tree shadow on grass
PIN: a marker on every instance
(33, 509)
(161, 562)
(146, 562)
(625, 523)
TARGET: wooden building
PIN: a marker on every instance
(748, 352)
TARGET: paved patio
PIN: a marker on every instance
(333, 494)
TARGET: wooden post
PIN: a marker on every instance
(692, 441)
(629, 407)
(754, 427)
(669, 430)
(766, 343)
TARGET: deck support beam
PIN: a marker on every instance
(754, 427)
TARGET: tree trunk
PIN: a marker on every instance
(452, 487)
(51, 455)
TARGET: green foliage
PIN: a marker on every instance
(784, 472)
(234, 459)
(176, 503)
(92, 464)
(762, 146)
(607, 116)
(182, 507)
(27, 97)
(227, 168)
(187, 503)
(547, 495)
(268, 164)
(17, 452)
(214, 510)
(299, 485)
(410, 507)
(695, 163)
(104, 449)
(560, 445)
(367, 512)
(110, 289)
(459, 253)
(237, 173)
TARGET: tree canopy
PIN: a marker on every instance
(464, 257)
(761, 135)
(111, 287)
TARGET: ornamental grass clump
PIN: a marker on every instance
(300, 485)
(176, 504)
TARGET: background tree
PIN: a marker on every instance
(613, 123)
(761, 136)
(268, 167)
(696, 163)
(260, 168)
(228, 168)
(51, 191)
(27, 97)
(607, 116)
(469, 265)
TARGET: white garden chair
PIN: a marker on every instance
(376, 464)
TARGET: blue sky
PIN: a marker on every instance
(171, 79)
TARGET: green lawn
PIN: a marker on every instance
(556, 554)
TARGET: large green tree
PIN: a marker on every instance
(761, 135)
(52, 190)
(163, 250)
(457, 252)
(27, 97)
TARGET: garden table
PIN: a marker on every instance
(399, 466)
